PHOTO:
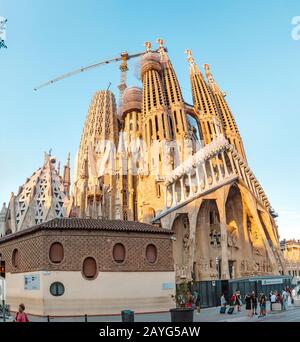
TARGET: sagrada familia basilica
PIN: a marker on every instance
(159, 160)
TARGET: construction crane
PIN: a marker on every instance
(124, 57)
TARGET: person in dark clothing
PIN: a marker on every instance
(262, 305)
(254, 303)
(196, 296)
(248, 301)
(238, 301)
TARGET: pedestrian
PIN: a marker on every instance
(270, 295)
(293, 295)
(21, 316)
(248, 301)
(284, 299)
(262, 305)
(254, 303)
(223, 300)
(238, 300)
(290, 297)
(273, 300)
(196, 298)
(190, 300)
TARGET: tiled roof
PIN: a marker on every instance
(90, 224)
(98, 224)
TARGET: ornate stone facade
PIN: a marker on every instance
(182, 166)
(207, 194)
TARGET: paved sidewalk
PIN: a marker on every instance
(206, 315)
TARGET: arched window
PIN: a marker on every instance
(119, 253)
(56, 252)
(89, 268)
(16, 258)
(57, 289)
(151, 253)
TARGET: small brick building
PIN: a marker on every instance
(89, 266)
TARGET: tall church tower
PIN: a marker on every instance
(128, 153)
(94, 186)
(158, 129)
(204, 103)
(230, 127)
(173, 96)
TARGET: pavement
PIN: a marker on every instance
(292, 314)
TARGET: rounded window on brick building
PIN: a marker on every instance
(89, 268)
(57, 289)
(56, 253)
(16, 258)
(119, 253)
(151, 253)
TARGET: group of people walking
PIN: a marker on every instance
(254, 303)
(285, 298)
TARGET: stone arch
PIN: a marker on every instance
(181, 228)
(234, 215)
(208, 242)
(195, 125)
(235, 232)
(150, 214)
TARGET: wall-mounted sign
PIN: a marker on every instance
(272, 281)
(32, 282)
(167, 286)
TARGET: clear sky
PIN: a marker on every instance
(247, 43)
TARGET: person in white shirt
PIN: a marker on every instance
(284, 299)
(273, 299)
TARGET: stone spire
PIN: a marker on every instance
(229, 124)
(95, 161)
(67, 177)
(3, 214)
(172, 92)
(204, 102)
(172, 88)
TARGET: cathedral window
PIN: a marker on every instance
(158, 191)
(171, 127)
(163, 124)
(156, 127)
(150, 130)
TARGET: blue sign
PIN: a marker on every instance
(168, 286)
(32, 282)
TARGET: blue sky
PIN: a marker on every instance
(247, 43)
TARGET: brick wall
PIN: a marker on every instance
(34, 251)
